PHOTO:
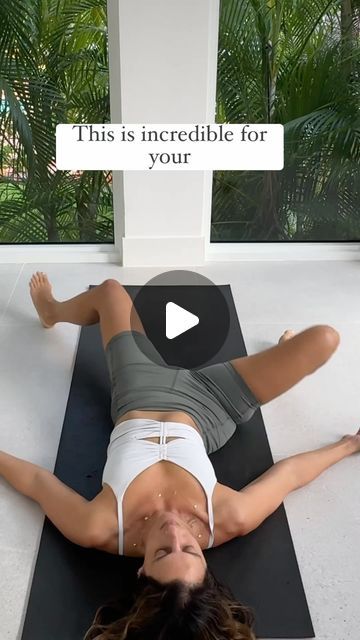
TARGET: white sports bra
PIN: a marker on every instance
(128, 455)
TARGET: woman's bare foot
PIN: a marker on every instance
(40, 291)
(289, 333)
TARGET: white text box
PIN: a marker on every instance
(170, 147)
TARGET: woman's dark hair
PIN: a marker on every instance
(175, 611)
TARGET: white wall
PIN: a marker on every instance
(168, 63)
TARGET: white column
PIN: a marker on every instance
(113, 22)
(168, 63)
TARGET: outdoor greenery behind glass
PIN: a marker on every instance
(53, 69)
(280, 61)
(296, 63)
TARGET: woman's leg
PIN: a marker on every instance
(107, 303)
(270, 373)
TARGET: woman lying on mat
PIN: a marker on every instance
(160, 498)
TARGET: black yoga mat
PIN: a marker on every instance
(70, 582)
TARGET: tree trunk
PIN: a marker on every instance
(347, 34)
(346, 18)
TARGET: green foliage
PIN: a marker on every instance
(290, 61)
(53, 69)
(286, 61)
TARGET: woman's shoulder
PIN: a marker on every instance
(105, 517)
(226, 514)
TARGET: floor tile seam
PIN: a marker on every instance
(12, 292)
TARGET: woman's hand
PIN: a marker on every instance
(353, 440)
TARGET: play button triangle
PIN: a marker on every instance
(178, 320)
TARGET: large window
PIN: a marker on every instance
(53, 69)
(298, 64)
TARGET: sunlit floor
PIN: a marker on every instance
(324, 517)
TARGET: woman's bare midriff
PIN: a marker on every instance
(162, 416)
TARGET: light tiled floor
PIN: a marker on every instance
(35, 374)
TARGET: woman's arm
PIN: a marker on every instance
(19, 473)
(263, 496)
(68, 511)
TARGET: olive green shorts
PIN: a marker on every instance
(216, 396)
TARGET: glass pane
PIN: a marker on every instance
(53, 69)
(297, 64)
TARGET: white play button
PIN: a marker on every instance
(178, 320)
